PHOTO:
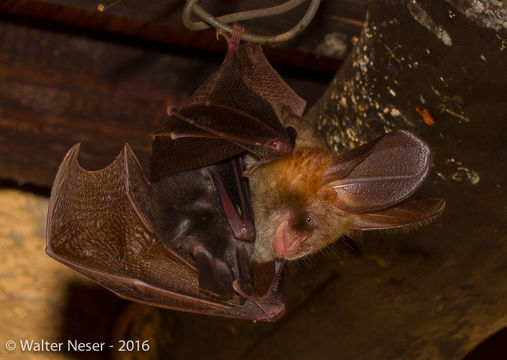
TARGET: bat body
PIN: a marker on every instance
(186, 239)
(308, 199)
(189, 216)
(183, 240)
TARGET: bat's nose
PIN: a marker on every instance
(286, 242)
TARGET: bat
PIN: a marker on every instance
(306, 200)
(184, 239)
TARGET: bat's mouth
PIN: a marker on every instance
(287, 243)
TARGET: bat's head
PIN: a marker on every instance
(307, 200)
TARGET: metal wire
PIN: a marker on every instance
(250, 14)
(221, 22)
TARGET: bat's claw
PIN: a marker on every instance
(250, 298)
(240, 292)
(268, 307)
(233, 40)
(246, 173)
(249, 170)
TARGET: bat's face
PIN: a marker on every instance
(300, 231)
(294, 211)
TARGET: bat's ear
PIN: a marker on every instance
(402, 214)
(379, 174)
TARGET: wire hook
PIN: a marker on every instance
(222, 21)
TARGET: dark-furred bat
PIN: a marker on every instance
(186, 239)
(183, 240)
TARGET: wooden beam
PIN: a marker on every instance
(60, 86)
(328, 38)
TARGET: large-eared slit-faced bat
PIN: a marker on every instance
(187, 238)
(183, 240)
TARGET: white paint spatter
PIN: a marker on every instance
(485, 13)
(503, 42)
(457, 172)
(464, 174)
(461, 116)
(334, 45)
(440, 175)
(395, 112)
(422, 17)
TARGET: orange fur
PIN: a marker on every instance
(290, 178)
(293, 187)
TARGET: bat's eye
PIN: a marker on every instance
(308, 219)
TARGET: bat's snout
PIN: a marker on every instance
(287, 244)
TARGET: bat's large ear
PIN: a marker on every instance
(405, 213)
(379, 175)
(372, 181)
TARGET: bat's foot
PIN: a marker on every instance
(268, 307)
(233, 40)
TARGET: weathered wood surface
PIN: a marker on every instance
(330, 33)
(59, 88)
(437, 69)
(70, 74)
(327, 39)
(39, 298)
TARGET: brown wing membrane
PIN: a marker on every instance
(99, 224)
(260, 76)
(238, 109)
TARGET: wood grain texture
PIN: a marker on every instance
(438, 292)
(161, 20)
(59, 86)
